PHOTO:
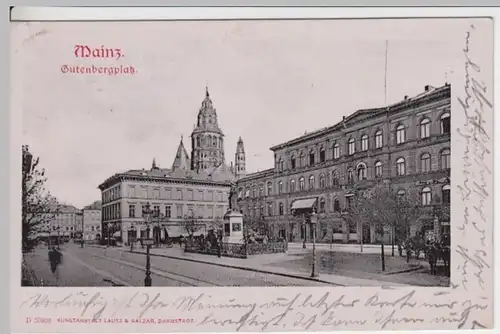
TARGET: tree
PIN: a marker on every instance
(383, 209)
(39, 207)
(191, 225)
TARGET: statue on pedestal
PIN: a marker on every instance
(233, 198)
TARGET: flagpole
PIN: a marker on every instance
(385, 72)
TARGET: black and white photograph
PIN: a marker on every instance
(244, 154)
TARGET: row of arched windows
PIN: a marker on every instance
(359, 173)
(208, 141)
(426, 198)
(301, 160)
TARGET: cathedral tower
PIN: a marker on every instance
(239, 158)
(207, 140)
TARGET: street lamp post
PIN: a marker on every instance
(82, 233)
(314, 220)
(304, 227)
(147, 217)
(131, 230)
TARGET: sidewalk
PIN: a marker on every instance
(261, 263)
(348, 248)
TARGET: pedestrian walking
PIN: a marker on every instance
(55, 259)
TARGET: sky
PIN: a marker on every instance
(270, 81)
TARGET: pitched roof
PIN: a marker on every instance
(181, 160)
(94, 206)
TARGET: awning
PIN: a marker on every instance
(304, 203)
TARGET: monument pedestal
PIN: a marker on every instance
(233, 228)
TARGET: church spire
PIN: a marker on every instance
(207, 139)
(153, 164)
(182, 160)
(239, 157)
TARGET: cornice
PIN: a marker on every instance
(440, 94)
(118, 178)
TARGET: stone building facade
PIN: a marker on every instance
(196, 186)
(406, 145)
(66, 223)
(92, 221)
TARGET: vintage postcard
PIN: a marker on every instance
(252, 175)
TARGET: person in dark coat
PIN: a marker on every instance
(55, 259)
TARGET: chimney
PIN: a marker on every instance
(406, 97)
(427, 88)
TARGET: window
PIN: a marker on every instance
(322, 156)
(261, 191)
(322, 205)
(269, 189)
(400, 167)
(302, 160)
(378, 139)
(378, 169)
(311, 182)
(336, 205)
(143, 209)
(280, 187)
(336, 151)
(351, 146)
(446, 192)
(335, 178)
(322, 181)
(214, 143)
(445, 159)
(425, 163)
(254, 192)
(270, 209)
(401, 194)
(156, 211)
(168, 211)
(425, 128)
(280, 165)
(281, 209)
(364, 143)
(400, 134)
(301, 183)
(361, 171)
(292, 185)
(350, 201)
(350, 176)
(261, 210)
(292, 161)
(445, 123)
(131, 211)
(311, 157)
(426, 196)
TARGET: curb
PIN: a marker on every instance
(419, 267)
(240, 268)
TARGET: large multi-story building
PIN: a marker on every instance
(407, 144)
(65, 223)
(92, 221)
(196, 187)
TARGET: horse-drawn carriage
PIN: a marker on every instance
(436, 251)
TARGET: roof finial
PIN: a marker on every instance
(182, 138)
(207, 94)
(153, 165)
